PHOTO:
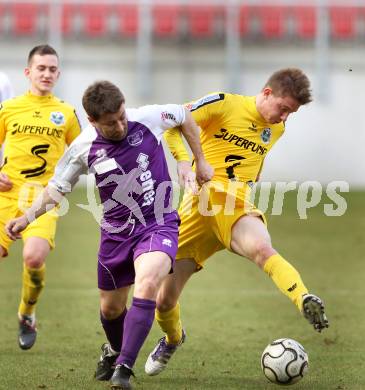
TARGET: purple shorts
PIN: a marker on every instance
(116, 257)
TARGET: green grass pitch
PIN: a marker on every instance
(230, 310)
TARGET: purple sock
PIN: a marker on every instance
(114, 330)
(137, 325)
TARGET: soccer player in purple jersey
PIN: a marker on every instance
(139, 229)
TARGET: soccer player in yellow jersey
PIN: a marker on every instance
(35, 128)
(237, 132)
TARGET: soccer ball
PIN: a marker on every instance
(284, 362)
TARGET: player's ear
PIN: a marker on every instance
(91, 120)
(267, 91)
(27, 71)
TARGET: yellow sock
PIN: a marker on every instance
(33, 283)
(286, 278)
(170, 323)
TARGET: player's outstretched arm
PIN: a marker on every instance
(204, 171)
(46, 201)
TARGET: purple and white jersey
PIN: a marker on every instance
(131, 175)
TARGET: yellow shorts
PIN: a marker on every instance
(207, 221)
(43, 227)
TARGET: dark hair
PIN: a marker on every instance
(41, 50)
(291, 82)
(102, 97)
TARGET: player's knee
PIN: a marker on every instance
(110, 311)
(261, 251)
(34, 259)
(165, 304)
(167, 298)
(146, 288)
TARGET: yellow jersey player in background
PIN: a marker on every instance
(237, 132)
(35, 128)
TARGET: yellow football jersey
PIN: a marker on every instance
(235, 138)
(35, 130)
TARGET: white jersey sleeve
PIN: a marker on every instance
(74, 162)
(6, 90)
(158, 118)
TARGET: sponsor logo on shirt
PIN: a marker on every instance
(30, 129)
(241, 142)
(37, 114)
(146, 180)
(57, 118)
(165, 116)
(136, 138)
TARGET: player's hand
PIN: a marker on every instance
(187, 177)
(15, 226)
(204, 171)
(5, 183)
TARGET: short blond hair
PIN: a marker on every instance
(291, 82)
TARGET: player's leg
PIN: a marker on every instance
(38, 241)
(150, 268)
(115, 276)
(167, 306)
(112, 315)
(35, 252)
(197, 242)
(251, 239)
(168, 316)
(27, 329)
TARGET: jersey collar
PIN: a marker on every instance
(36, 98)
